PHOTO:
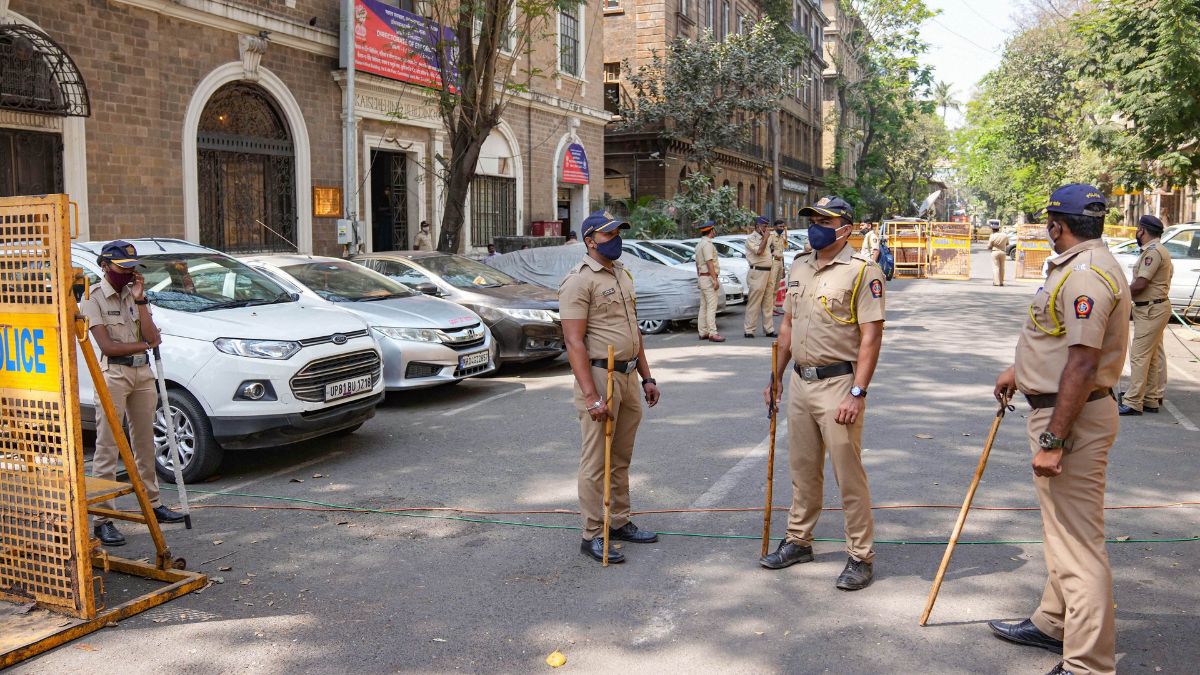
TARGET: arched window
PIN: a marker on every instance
(246, 172)
(739, 193)
(754, 197)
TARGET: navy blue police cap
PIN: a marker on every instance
(834, 207)
(1078, 199)
(706, 225)
(600, 221)
(1152, 224)
(120, 253)
(762, 220)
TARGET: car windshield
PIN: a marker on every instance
(463, 272)
(668, 253)
(200, 282)
(345, 281)
(681, 250)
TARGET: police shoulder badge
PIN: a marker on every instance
(1083, 307)
(876, 288)
(1149, 261)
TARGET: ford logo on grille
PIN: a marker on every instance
(339, 339)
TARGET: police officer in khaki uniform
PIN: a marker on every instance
(1069, 356)
(870, 243)
(1151, 314)
(760, 304)
(998, 247)
(833, 329)
(599, 308)
(777, 243)
(708, 274)
(423, 242)
(122, 327)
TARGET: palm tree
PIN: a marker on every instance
(943, 97)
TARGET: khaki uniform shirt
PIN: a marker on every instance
(752, 256)
(104, 306)
(423, 242)
(777, 244)
(705, 251)
(1088, 310)
(607, 301)
(817, 293)
(1155, 266)
(998, 242)
(870, 244)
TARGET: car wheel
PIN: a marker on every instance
(652, 326)
(199, 452)
(1012, 252)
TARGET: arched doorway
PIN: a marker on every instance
(246, 171)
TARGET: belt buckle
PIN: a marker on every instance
(630, 366)
(139, 360)
(808, 373)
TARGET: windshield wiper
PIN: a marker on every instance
(228, 304)
(252, 302)
(373, 298)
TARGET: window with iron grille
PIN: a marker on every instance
(724, 20)
(612, 4)
(568, 40)
(710, 13)
(493, 208)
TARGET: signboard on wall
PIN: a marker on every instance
(400, 45)
(575, 165)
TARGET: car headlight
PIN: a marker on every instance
(495, 314)
(415, 334)
(258, 349)
(730, 279)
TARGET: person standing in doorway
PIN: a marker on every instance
(424, 241)
(998, 247)
(1151, 314)
(760, 304)
(708, 274)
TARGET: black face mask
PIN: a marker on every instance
(118, 279)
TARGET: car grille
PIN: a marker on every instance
(309, 383)
(467, 372)
(467, 337)
(326, 339)
(417, 370)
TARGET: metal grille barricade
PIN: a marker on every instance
(950, 250)
(1033, 248)
(44, 546)
(909, 241)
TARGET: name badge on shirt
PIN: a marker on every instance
(793, 284)
(113, 312)
(608, 292)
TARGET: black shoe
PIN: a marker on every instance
(1126, 410)
(1150, 409)
(595, 549)
(1025, 633)
(630, 532)
(164, 515)
(1059, 670)
(749, 335)
(109, 535)
(857, 575)
(786, 555)
(771, 334)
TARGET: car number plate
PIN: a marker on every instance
(358, 385)
(473, 360)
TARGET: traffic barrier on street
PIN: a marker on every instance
(1119, 232)
(1033, 248)
(950, 250)
(909, 241)
(46, 552)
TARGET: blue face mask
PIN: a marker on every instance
(610, 249)
(820, 237)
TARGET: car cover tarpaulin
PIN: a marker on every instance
(663, 292)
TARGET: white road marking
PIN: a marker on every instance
(237, 487)
(751, 461)
(1183, 420)
(671, 337)
(476, 404)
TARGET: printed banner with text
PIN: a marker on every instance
(400, 45)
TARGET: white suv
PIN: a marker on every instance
(248, 364)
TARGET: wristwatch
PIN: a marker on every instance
(858, 392)
(649, 380)
(1048, 441)
(595, 405)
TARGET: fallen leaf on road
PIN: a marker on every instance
(318, 475)
(1123, 537)
(217, 542)
(759, 632)
(296, 480)
(224, 569)
(244, 582)
(343, 522)
(86, 647)
(556, 659)
(160, 620)
(966, 434)
(218, 580)
(924, 437)
(438, 640)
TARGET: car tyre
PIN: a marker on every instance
(200, 452)
(652, 326)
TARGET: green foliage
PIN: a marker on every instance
(698, 201)
(648, 218)
(709, 93)
(1147, 53)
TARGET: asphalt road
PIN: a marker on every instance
(334, 592)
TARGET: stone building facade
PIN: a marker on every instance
(839, 63)
(642, 163)
(220, 122)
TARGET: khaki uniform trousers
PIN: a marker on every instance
(812, 431)
(1077, 604)
(998, 259)
(760, 304)
(773, 284)
(1148, 356)
(135, 397)
(706, 320)
(626, 407)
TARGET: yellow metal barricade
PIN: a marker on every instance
(950, 250)
(1119, 232)
(909, 241)
(46, 552)
(1033, 248)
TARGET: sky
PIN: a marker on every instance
(965, 41)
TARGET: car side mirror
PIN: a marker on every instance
(427, 288)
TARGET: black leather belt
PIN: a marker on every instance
(814, 373)
(133, 360)
(760, 268)
(1039, 401)
(618, 366)
(1143, 303)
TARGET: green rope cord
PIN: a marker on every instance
(703, 535)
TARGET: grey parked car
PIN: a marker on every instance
(424, 341)
(523, 317)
